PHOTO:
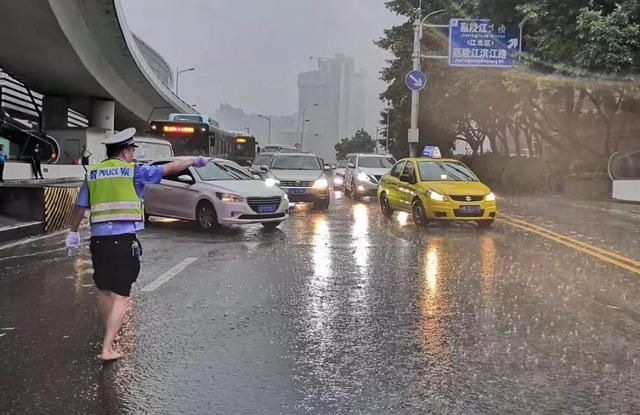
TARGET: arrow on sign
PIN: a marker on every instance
(513, 43)
(416, 81)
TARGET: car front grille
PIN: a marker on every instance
(295, 183)
(256, 202)
(468, 215)
(267, 216)
(465, 198)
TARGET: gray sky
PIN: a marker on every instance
(248, 52)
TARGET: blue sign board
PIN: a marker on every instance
(416, 80)
(479, 42)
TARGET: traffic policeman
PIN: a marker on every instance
(113, 191)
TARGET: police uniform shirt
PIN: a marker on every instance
(144, 175)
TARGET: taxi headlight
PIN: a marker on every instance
(271, 182)
(435, 196)
(230, 198)
(363, 177)
(321, 184)
(490, 197)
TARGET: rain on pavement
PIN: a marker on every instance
(339, 312)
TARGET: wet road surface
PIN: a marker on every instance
(340, 312)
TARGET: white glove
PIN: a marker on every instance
(73, 240)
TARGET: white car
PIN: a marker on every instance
(364, 172)
(221, 193)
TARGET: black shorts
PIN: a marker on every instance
(115, 265)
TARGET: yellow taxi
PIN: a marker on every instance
(434, 188)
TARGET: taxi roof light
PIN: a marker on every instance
(432, 152)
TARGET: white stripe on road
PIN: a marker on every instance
(3, 334)
(169, 274)
(33, 239)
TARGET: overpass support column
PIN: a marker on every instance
(54, 113)
(102, 115)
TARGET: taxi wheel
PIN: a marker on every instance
(417, 211)
(485, 224)
(384, 206)
(206, 216)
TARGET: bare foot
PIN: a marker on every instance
(110, 355)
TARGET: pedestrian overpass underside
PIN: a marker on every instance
(84, 51)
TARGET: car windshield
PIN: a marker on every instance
(376, 162)
(295, 163)
(342, 164)
(263, 160)
(445, 171)
(218, 171)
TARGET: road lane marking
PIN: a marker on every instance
(603, 251)
(3, 334)
(169, 274)
(602, 254)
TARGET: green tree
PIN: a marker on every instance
(573, 90)
(361, 142)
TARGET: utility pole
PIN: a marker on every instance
(388, 126)
(268, 119)
(178, 73)
(304, 111)
(414, 133)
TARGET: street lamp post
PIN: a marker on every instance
(415, 95)
(304, 111)
(388, 125)
(268, 119)
(180, 72)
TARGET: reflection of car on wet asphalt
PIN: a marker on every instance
(221, 193)
(303, 177)
(363, 173)
(436, 189)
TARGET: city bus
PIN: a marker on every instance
(199, 135)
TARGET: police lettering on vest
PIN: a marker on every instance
(112, 192)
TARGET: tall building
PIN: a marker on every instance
(339, 92)
(284, 128)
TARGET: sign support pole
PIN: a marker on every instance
(414, 133)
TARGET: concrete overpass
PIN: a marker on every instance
(82, 55)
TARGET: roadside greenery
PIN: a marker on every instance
(573, 99)
(361, 142)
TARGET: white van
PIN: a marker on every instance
(150, 149)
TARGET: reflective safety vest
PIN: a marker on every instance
(112, 193)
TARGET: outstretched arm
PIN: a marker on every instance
(180, 165)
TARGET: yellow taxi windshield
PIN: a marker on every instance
(445, 171)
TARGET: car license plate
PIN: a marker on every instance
(267, 208)
(469, 209)
(297, 191)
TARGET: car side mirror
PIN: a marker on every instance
(351, 166)
(407, 179)
(185, 178)
(264, 169)
(327, 168)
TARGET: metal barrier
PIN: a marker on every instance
(58, 202)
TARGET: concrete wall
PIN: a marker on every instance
(156, 62)
(16, 170)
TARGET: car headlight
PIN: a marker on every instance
(321, 184)
(435, 196)
(230, 198)
(363, 177)
(338, 180)
(269, 181)
(490, 197)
